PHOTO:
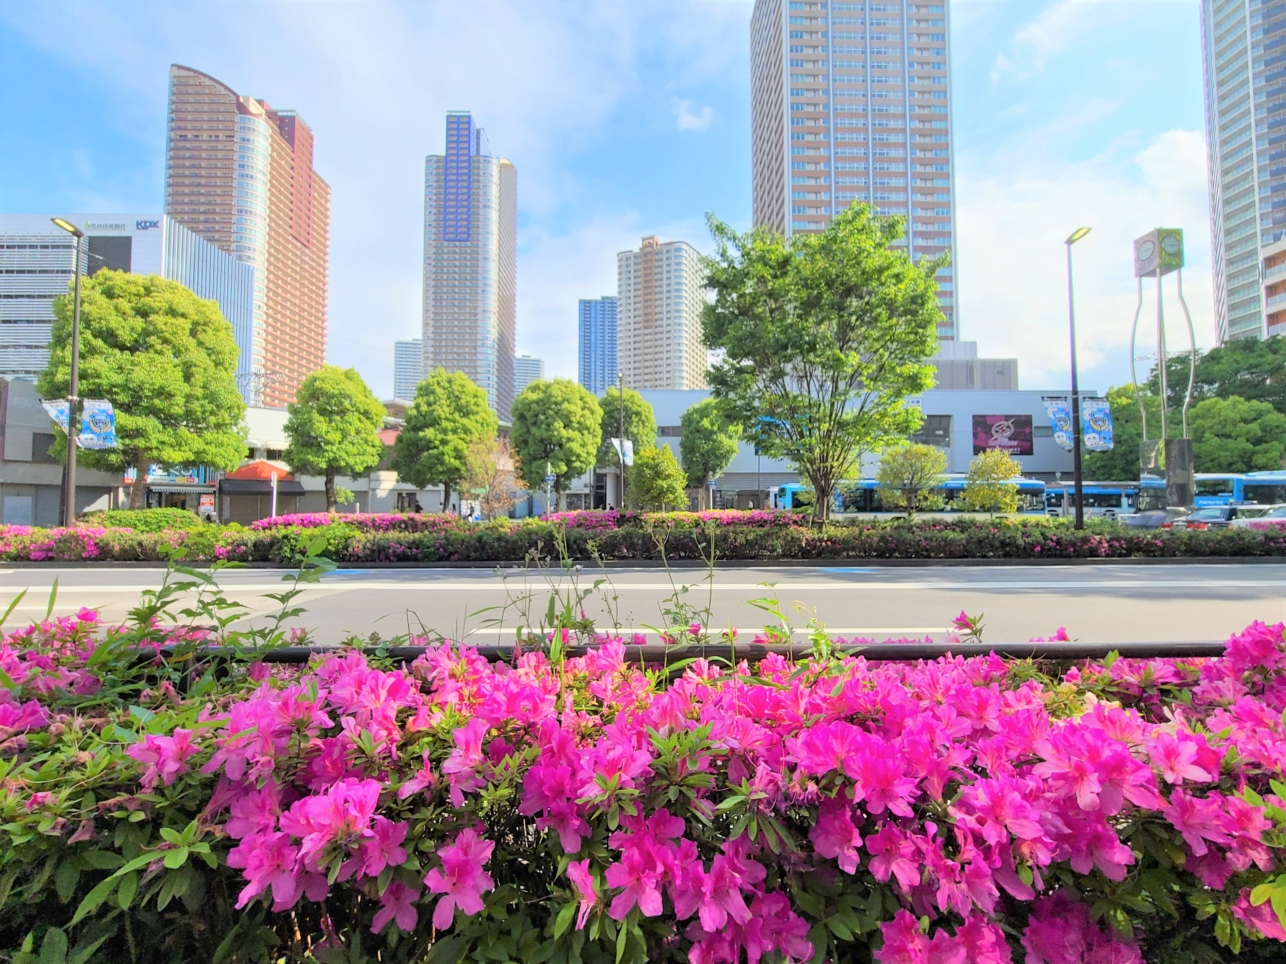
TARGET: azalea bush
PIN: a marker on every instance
(167, 795)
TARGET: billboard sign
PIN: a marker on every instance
(1009, 433)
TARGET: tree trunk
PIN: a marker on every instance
(138, 491)
(446, 496)
(331, 506)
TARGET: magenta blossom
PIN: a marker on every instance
(166, 757)
(578, 873)
(461, 881)
(397, 904)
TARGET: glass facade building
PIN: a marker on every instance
(470, 262)
(597, 342)
(1243, 45)
(851, 101)
(408, 368)
(37, 263)
(527, 369)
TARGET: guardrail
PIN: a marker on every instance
(883, 652)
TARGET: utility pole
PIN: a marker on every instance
(620, 398)
(73, 385)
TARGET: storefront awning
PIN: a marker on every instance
(180, 488)
(259, 487)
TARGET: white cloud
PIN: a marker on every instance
(1015, 213)
(686, 120)
(1056, 28)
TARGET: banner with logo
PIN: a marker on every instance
(59, 410)
(1096, 424)
(626, 456)
(1009, 433)
(98, 425)
(1059, 409)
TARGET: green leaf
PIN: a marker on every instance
(128, 888)
(94, 898)
(564, 920)
(49, 611)
(174, 859)
(101, 859)
(447, 950)
(66, 877)
(622, 936)
(53, 949)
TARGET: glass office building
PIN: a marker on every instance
(597, 343)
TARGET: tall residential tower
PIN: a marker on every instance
(470, 261)
(1242, 43)
(851, 101)
(408, 368)
(240, 174)
(659, 302)
(598, 368)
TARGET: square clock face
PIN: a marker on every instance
(1158, 251)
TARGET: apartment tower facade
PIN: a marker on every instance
(470, 261)
(239, 173)
(1243, 47)
(597, 368)
(851, 101)
(527, 369)
(408, 368)
(659, 302)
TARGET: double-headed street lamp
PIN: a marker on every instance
(1076, 397)
(73, 397)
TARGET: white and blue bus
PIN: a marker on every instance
(863, 495)
(1254, 488)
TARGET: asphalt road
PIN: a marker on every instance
(1103, 603)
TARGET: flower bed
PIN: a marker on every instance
(948, 811)
(612, 536)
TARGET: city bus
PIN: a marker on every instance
(1105, 500)
(1256, 488)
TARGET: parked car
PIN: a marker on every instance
(1218, 516)
(1276, 514)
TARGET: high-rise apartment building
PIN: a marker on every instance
(851, 101)
(597, 343)
(527, 369)
(240, 174)
(470, 261)
(1242, 44)
(37, 262)
(408, 368)
(659, 302)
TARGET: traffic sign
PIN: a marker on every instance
(550, 479)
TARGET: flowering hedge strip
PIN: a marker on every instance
(613, 536)
(589, 809)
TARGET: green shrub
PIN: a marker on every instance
(144, 520)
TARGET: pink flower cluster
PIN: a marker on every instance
(600, 520)
(372, 521)
(948, 781)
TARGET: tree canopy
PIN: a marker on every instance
(448, 414)
(824, 338)
(709, 443)
(908, 474)
(640, 424)
(333, 427)
(988, 485)
(1237, 435)
(556, 423)
(165, 359)
(656, 480)
(1246, 368)
(492, 475)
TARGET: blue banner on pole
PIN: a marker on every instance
(98, 425)
(1096, 424)
(1060, 419)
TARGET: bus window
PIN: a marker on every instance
(1213, 487)
(1102, 500)
(1261, 494)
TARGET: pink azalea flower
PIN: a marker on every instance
(397, 904)
(166, 757)
(461, 881)
(834, 834)
(383, 847)
(578, 873)
(1176, 759)
(254, 811)
(1261, 917)
(421, 780)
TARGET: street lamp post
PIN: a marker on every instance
(73, 385)
(620, 399)
(1076, 397)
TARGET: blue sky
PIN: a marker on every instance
(625, 119)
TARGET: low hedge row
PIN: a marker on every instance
(685, 536)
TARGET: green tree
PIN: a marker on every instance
(824, 338)
(988, 483)
(334, 428)
(656, 480)
(556, 423)
(709, 443)
(449, 412)
(640, 424)
(908, 474)
(1237, 435)
(167, 362)
(1245, 368)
